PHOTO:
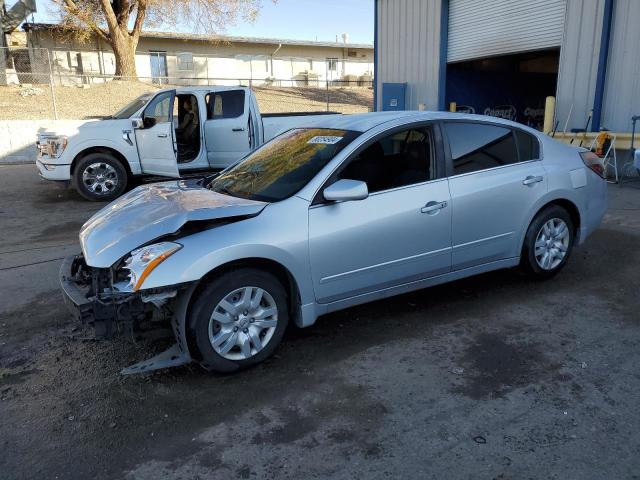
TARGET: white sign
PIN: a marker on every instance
(325, 140)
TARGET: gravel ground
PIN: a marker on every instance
(492, 377)
(34, 103)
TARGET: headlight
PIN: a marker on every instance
(52, 146)
(143, 261)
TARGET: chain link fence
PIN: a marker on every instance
(33, 86)
(26, 86)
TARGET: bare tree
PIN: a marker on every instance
(120, 22)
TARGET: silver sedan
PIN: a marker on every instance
(344, 211)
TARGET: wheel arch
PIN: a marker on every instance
(101, 149)
(571, 208)
(268, 265)
(563, 202)
(273, 267)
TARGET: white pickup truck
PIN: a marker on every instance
(166, 133)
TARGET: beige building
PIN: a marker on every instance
(179, 58)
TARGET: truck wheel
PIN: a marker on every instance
(548, 243)
(100, 177)
(238, 319)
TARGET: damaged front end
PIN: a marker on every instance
(95, 297)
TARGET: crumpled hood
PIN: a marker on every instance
(150, 212)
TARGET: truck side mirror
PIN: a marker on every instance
(137, 123)
(148, 122)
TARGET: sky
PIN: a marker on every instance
(292, 19)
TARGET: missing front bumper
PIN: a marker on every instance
(88, 295)
(114, 313)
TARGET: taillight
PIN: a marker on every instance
(594, 162)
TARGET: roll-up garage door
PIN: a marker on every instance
(488, 28)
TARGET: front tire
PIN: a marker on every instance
(548, 243)
(100, 177)
(238, 319)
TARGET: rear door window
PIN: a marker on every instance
(225, 104)
(478, 146)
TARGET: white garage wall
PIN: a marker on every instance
(622, 87)
(408, 46)
(579, 62)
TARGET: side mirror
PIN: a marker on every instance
(346, 190)
(137, 123)
(148, 122)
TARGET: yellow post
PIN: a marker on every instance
(549, 110)
(452, 107)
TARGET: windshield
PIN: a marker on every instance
(281, 167)
(132, 107)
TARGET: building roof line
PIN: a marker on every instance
(29, 26)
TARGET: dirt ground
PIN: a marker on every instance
(72, 102)
(492, 377)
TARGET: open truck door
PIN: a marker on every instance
(229, 131)
(155, 137)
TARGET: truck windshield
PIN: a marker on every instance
(132, 107)
(281, 167)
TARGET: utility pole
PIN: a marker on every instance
(3, 44)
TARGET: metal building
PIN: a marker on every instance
(503, 57)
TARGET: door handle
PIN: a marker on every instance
(530, 180)
(433, 207)
(162, 135)
(237, 129)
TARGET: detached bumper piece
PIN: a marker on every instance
(172, 357)
(89, 295)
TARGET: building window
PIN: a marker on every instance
(332, 64)
(185, 61)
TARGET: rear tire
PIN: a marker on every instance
(100, 177)
(548, 243)
(238, 319)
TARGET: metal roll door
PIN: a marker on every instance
(488, 28)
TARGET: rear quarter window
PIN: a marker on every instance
(528, 146)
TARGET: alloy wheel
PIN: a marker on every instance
(552, 244)
(100, 178)
(243, 323)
